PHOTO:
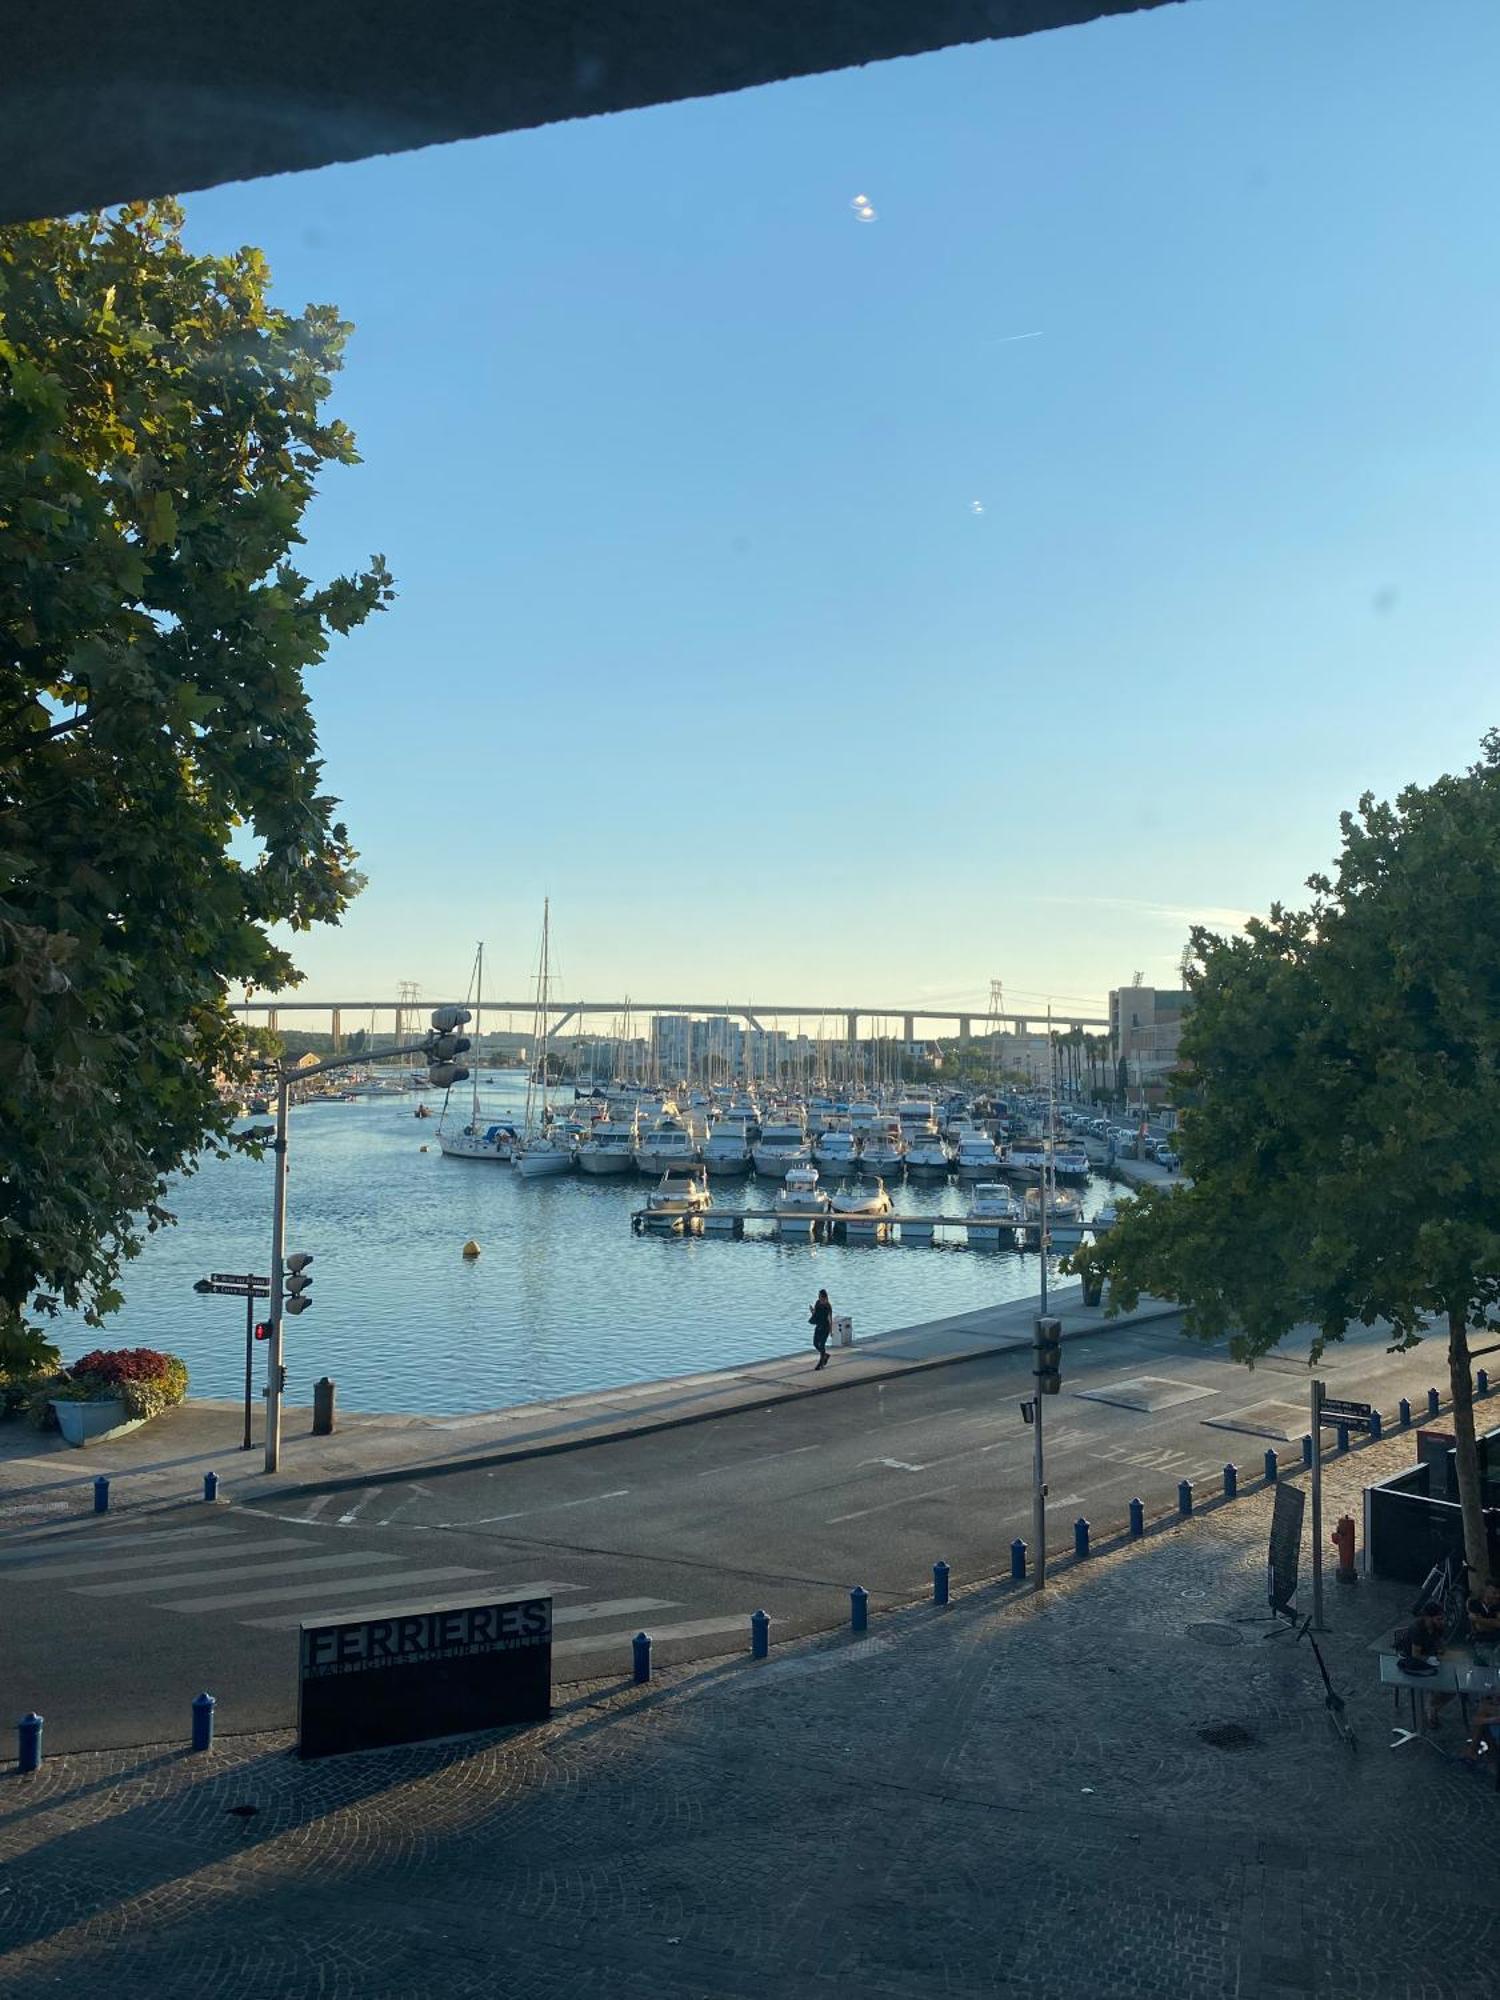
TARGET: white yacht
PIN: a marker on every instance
(1070, 1159)
(862, 1199)
(608, 1146)
(836, 1151)
(783, 1143)
(978, 1158)
(801, 1202)
(678, 1199)
(882, 1150)
(1064, 1217)
(928, 1153)
(995, 1214)
(666, 1142)
(1028, 1155)
(726, 1150)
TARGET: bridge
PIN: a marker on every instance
(409, 1016)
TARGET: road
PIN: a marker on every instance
(110, 1627)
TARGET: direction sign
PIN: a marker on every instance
(237, 1278)
(237, 1288)
(1333, 1409)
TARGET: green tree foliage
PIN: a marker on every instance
(161, 802)
(1344, 1145)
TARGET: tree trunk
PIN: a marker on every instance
(1476, 1543)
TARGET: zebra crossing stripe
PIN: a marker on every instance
(614, 1607)
(142, 1586)
(692, 1628)
(17, 1554)
(412, 1579)
(110, 1565)
(350, 1605)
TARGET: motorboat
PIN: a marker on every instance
(422, 1111)
(1070, 1159)
(607, 1147)
(836, 1151)
(995, 1214)
(1028, 1155)
(862, 1199)
(681, 1195)
(548, 1151)
(666, 1142)
(1064, 1217)
(928, 1153)
(882, 1150)
(801, 1202)
(783, 1143)
(977, 1158)
(726, 1150)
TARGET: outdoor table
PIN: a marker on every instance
(1457, 1673)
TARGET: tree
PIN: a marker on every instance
(1344, 1146)
(161, 807)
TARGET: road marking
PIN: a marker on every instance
(352, 1604)
(364, 1500)
(157, 1559)
(315, 1507)
(414, 1579)
(487, 1520)
(612, 1607)
(743, 1464)
(906, 1500)
(899, 1464)
(692, 1628)
(20, 1552)
(139, 1586)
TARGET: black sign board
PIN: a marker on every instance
(1336, 1411)
(1286, 1547)
(425, 1670)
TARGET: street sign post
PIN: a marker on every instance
(249, 1286)
(1337, 1411)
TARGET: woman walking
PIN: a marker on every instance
(821, 1318)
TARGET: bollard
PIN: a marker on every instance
(1343, 1438)
(1080, 1537)
(1403, 1417)
(1137, 1520)
(29, 1751)
(1376, 1430)
(323, 1395)
(940, 1583)
(1271, 1468)
(210, 1485)
(640, 1661)
(203, 1721)
(760, 1634)
(1017, 1560)
(1482, 1382)
(1231, 1482)
(1306, 1449)
(1184, 1497)
(101, 1495)
(859, 1609)
(1433, 1402)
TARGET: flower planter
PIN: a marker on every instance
(90, 1423)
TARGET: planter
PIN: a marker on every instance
(90, 1423)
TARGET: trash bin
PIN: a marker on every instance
(843, 1330)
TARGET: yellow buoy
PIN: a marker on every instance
(471, 1248)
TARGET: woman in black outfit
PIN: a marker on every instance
(821, 1317)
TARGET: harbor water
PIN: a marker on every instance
(564, 1296)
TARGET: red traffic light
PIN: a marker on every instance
(262, 1329)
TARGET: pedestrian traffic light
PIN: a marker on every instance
(443, 1044)
(298, 1284)
(1048, 1370)
(262, 1329)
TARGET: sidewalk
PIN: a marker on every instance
(164, 1463)
(1124, 1790)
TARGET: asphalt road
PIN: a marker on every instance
(109, 1628)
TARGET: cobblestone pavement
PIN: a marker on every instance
(1009, 1797)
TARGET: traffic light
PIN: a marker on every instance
(1048, 1370)
(443, 1044)
(262, 1329)
(297, 1284)
(202, 1285)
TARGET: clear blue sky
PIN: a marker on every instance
(674, 459)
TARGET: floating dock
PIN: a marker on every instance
(927, 1230)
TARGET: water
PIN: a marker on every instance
(564, 1297)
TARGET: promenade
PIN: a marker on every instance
(1124, 1790)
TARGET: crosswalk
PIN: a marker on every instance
(271, 1582)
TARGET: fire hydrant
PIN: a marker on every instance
(1343, 1540)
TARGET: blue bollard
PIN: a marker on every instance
(1080, 1537)
(203, 1721)
(760, 1634)
(1434, 1403)
(1184, 1497)
(1271, 1468)
(1376, 1429)
(101, 1495)
(1482, 1381)
(1343, 1438)
(859, 1609)
(1306, 1449)
(1137, 1520)
(1231, 1482)
(640, 1657)
(29, 1752)
(210, 1485)
(940, 1583)
(1403, 1409)
(1017, 1560)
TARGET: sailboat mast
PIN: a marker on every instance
(478, 1015)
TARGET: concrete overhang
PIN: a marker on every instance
(103, 101)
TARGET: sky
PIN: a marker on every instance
(857, 608)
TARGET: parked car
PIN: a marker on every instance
(1165, 1157)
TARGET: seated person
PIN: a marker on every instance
(1484, 1615)
(1481, 1743)
(1422, 1639)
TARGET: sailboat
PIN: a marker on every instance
(482, 1138)
(545, 1147)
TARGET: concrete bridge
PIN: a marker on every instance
(409, 1017)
